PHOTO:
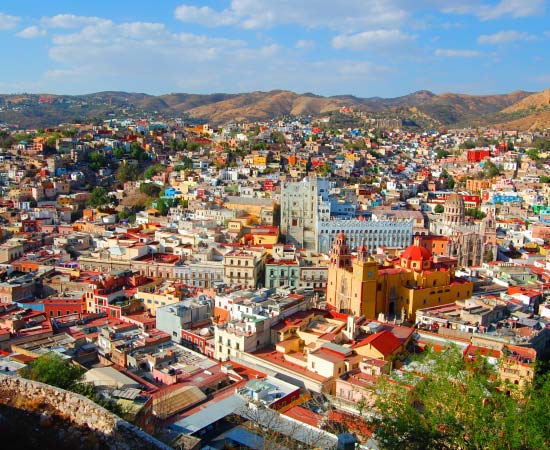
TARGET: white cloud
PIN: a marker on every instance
(514, 8)
(371, 39)
(505, 37)
(457, 53)
(205, 16)
(305, 44)
(348, 15)
(343, 15)
(68, 21)
(107, 55)
(31, 32)
(8, 22)
(504, 8)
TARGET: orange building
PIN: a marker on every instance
(437, 245)
(361, 287)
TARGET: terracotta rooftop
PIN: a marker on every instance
(384, 341)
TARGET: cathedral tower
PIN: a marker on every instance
(454, 210)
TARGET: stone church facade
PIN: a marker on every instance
(470, 242)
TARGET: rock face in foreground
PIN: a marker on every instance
(36, 415)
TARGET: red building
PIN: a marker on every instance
(478, 154)
(194, 340)
(56, 307)
(268, 185)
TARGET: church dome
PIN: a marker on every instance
(417, 258)
(416, 252)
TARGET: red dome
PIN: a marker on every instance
(416, 253)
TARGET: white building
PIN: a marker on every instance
(311, 218)
(374, 233)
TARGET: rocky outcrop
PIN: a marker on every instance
(82, 419)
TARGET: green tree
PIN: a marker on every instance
(53, 369)
(56, 371)
(150, 189)
(137, 152)
(543, 144)
(118, 153)
(441, 153)
(490, 169)
(126, 172)
(153, 170)
(467, 145)
(163, 205)
(533, 153)
(324, 170)
(185, 164)
(127, 214)
(439, 209)
(97, 160)
(193, 146)
(454, 404)
(99, 197)
(475, 213)
(450, 182)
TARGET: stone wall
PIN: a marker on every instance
(78, 411)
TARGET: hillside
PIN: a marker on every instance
(539, 100)
(33, 110)
(531, 113)
(536, 121)
(464, 109)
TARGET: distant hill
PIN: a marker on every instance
(531, 113)
(422, 107)
(539, 100)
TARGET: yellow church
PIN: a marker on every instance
(359, 286)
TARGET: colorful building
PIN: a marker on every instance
(361, 287)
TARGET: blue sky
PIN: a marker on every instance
(329, 47)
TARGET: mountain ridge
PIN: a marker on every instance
(446, 109)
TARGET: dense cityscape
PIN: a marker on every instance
(191, 271)
(252, 225)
